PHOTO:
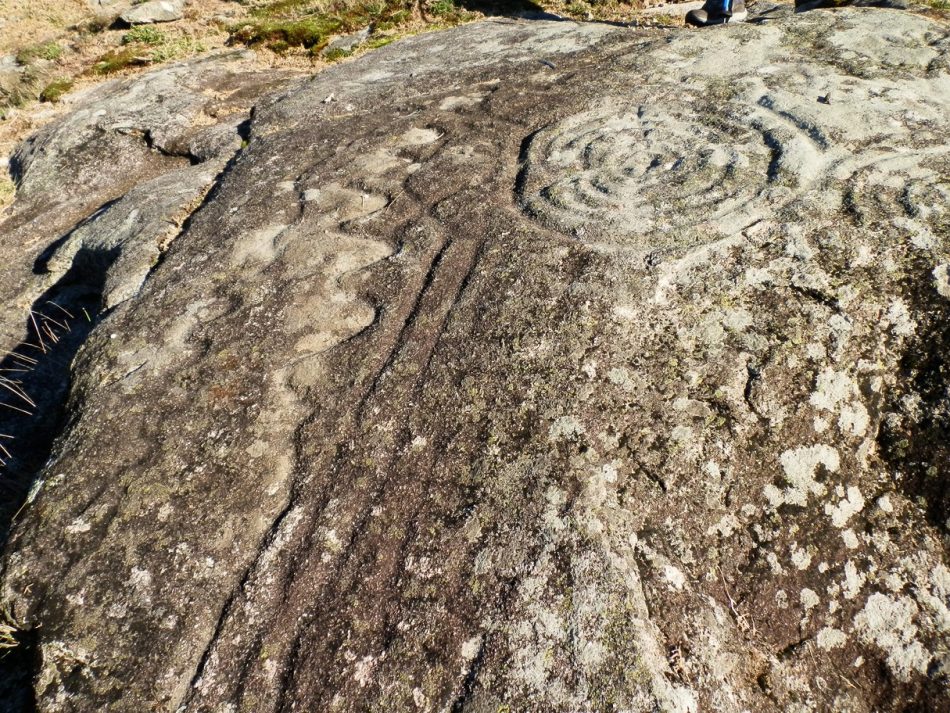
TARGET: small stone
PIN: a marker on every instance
(154, 11)
(346, 43)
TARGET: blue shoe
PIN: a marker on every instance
(717, 12)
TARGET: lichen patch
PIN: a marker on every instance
(888, 622)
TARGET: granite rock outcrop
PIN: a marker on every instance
(525, 366)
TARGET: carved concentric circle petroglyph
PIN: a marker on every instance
(649, 177)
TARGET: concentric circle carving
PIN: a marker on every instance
(650, 178)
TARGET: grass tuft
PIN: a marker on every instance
(55, 90)
(145, 35)
(8, 632)
(441, 8)
(336, 54)
(176, 49)
(49, 51)
(48, 327)
(281, 35)
(376, 42)
(117, 60)
(139, 53)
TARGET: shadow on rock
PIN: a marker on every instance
(35, 376)
(35, 379)
(915, 434)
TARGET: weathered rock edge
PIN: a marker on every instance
(115, 180)
(529, 366)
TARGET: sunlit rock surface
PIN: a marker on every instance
(527, 366)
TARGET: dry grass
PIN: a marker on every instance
(30, 22)
(7, 633)
(7, 191)
(47, 326)
(302, 28)
(286, 26)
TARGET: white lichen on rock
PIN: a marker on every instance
(565, 427)
(800, 466)
(829, 638)
(846, 508)
(888, 622)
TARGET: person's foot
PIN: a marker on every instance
(717, 12)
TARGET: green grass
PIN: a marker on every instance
(54, 91)
(442, 7)
(578, 9)
(307, 25)
(8, 631)
(145, 35)
(45, 51)
(137, 53)
(336, 54)
(281, 35)
(117, 60)
(376, 42)
(393, 20)
(286, 25)
(176, 48)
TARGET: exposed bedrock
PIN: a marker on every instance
(526, 366)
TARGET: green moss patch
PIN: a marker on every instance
(443, 7)
(336, 54)
(54, 91)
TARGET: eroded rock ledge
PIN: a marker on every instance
(525, 366)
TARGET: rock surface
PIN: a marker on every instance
(154, 11)
(102, 7)
(122, 134)
(525, 366)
